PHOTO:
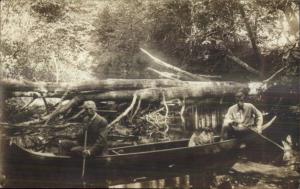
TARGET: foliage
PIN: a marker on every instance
(196, 35)
(44, 38)
(41, 40)
(50, 10)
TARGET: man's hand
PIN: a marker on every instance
(259, 130)
(86, 153)
(234, 123)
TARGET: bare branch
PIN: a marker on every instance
(275, 74)
(124, 113)
(243, 64)
(173, 68)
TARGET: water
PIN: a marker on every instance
(215, 174)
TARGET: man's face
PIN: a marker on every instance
(197, 132)
(89, 111)
(240, 102)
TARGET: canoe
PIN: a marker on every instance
(153, 154)
(139, 156)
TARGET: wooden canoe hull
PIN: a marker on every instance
(134, 157)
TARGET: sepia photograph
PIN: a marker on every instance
(200, 94)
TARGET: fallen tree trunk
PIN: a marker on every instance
(186, 89)
(99, 85)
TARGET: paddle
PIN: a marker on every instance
(84, 147)
(84, 157)
(266, 138)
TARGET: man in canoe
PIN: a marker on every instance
(239, 117)
(94, 132)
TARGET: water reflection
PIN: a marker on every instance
(219, 175)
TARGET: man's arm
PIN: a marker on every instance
(101, 141)
(229, 117)
(191, 141)
(259, 118)
(99, 144)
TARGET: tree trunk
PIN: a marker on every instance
(253, 41)
(100, 85)
(188, 89)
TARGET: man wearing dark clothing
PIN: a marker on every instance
(96, 127)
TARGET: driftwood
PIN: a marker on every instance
(264, 170)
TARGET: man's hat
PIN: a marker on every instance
(240, 96)
(89, 104)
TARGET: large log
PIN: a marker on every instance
(195, 90)
(179, 89)
(98, 85)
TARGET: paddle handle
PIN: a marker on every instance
(266, 138)
(84, 157)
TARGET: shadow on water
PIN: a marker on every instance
(215, 172)
(199, 173)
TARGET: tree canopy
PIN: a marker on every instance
(52, 40)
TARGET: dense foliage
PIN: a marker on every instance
(42, 39)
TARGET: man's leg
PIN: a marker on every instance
(77, 151)
(226, 131)
(65, 146)
(240, 132)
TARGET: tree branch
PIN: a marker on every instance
(124, 113)
(275, 74)
(243, 64)
(163, 74)
(173, 68)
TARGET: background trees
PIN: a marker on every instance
(42, 39)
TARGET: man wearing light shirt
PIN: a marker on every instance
(239, 117)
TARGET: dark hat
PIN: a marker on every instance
(240, 95)
(89, 104)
